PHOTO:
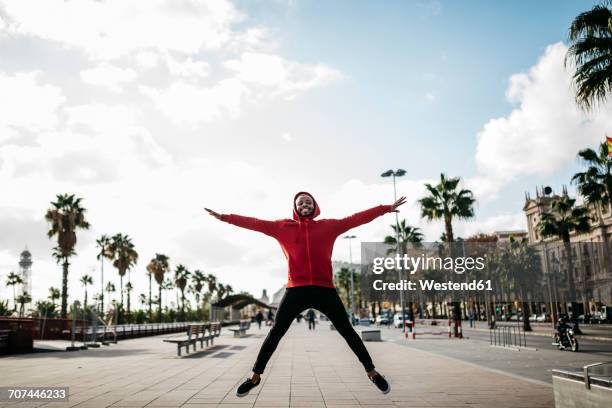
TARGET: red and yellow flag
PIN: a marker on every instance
(609, 139)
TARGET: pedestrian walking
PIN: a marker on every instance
(270, 319)
(259, 318)
(307, 244)
(310, 316)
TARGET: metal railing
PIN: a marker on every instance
(511, 336)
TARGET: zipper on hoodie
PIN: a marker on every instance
(308, 250)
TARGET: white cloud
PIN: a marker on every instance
(183, 102)
(110, 29)
(187, 68)
(287, 137)
(27, 103)
(281, 77)
(543, 132)
(108, 76)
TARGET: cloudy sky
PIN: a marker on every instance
(151, 110)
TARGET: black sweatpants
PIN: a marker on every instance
(327, 301)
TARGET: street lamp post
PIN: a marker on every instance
(352, 294)
(394, 174)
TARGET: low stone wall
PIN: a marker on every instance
(571, 392)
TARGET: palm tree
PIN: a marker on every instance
(143, 300)
(198, 279)
(167, 285)
(181, 276)
(23, 299)
(65, 217)
(86, 280)
(564, 218)
(591, 53)
(103, 244)
(158, 266)
(12, 280)
(446, 202)
(54, 294)
(595, 183)
(128, 291)
(407, 235)
(124, 256)
(110, 288)
(521, 267)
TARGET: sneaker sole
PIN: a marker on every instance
(242, 395)
(387, 390)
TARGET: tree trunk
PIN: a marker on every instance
(159, 302)
(570, 282)
(150, 311)
(102, 291)
(64, 311)
(85, 300)
(121, 289)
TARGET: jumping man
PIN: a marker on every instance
(307, 244)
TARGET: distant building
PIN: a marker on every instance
(591, 271)
(25, 272)
(278, 296)
(504, 236)
(264, 297)
(535, 207)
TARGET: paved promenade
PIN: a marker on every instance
(310, 369)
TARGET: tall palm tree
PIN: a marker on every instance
(66, 216)
(590, 35)
(158, 266)
(124, 257)
(12, 280)
(103, 244)
(86, 280)
(181, 276)
(564, 218)
(446, 202)
(198, 279)
(54, 294)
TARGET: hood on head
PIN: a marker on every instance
(316, 212)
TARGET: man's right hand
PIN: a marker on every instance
(213, 213)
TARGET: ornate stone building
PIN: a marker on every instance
(591, 252)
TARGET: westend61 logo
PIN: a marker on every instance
(414, 264)
(508, 271)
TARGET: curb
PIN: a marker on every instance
(580, 336)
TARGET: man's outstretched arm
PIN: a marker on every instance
(368, 215)
(254, 224)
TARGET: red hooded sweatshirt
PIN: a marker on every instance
(307, 243)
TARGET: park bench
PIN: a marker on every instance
(194, 331)
(197, 332)
(4, 339)
(243, 326)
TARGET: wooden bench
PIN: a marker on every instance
(4, 339)
(197, 332)
(243, 326)
(194, 332)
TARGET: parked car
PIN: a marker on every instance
(397, 320)
(382, 319)
(543, 318)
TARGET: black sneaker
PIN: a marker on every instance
(381, 383)
(245, 387)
